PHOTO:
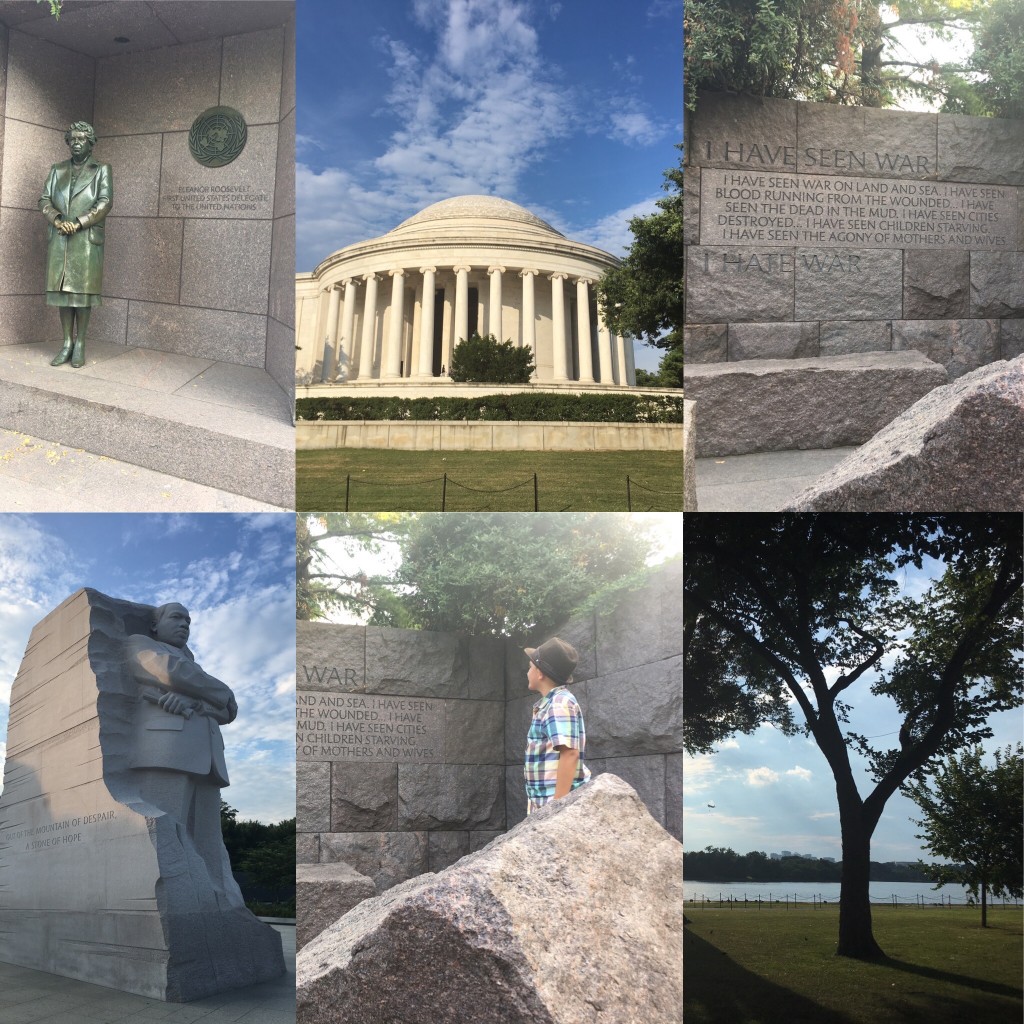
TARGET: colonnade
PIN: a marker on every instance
(572, 353)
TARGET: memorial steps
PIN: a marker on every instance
(213, 423)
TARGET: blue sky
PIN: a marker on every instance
(236, 575)
(773, 792)
(569, 109)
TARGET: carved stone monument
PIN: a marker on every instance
(814, 230)
(112, 868)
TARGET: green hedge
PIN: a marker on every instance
(542, 406)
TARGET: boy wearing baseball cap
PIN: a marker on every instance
(556, 740)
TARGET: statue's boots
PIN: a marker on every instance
(78, 358)
(63, 355)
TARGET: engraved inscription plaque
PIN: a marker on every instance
(739, 207)
(368, 727)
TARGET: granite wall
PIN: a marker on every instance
(410, 743)
(817, 230)
(399, 747)
(198, 260)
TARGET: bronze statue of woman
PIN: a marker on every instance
(76, 198)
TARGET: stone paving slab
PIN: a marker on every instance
(34, 997)
(764, 482)
(222, 426)
(42, 476)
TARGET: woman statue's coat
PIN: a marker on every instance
(74, 263)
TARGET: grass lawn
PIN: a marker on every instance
(400, 481)
(777, 966)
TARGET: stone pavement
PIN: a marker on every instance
(28, 996)
(215, 424)
(764, 482)
(41, 476)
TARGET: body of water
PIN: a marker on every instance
(905, 893)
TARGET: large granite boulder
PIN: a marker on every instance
(325, 892)
(959, 449)
(572, 917)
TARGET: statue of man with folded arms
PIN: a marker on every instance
(179, 751)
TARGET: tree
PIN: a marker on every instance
(975, 816)
(486, 573)
(322, 587)
(999, 58)
(643, 296)
(507, 575)
(487, 360)
(790, 611)
(837, 51)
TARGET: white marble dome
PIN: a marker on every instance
(393, 308)
(463, 208)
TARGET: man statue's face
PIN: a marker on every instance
(172, 626)
(79, 144)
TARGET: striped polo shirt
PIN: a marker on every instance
(557, 721)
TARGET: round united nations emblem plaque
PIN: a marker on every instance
(217, 136)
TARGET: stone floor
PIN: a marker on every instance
(193, 419)
(42, 476)
(764, 482)
(27, 997)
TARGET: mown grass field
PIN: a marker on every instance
(400, 481)
(778, 966)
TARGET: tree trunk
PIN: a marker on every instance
(984, 905)
(855, 936)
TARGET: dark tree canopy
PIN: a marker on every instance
(974, 816)
(849, 51)
(643, 297)
(785, 613)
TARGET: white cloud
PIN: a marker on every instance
(763, 776)
(800, 773)
(634, 127)
(820, 815)
(474, 113)
(612, 233)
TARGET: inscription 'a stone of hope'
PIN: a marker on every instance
(872, 213)
(368, 727)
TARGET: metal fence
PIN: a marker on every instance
(451, 495)
(783, 901)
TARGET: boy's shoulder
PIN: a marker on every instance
(563, 697)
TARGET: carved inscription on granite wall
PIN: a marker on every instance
(739, 207)
(369, 728)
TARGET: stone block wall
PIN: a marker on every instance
(410, 743)
(400, 748)
(817, 230)
(198, 260)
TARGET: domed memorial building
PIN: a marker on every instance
(389, 311)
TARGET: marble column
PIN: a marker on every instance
(461, 306)
(604, 350)
(331, 340)
(391, 364)
(529, 313)
(620, 358)
(630, 362)
(494, 302)
(425, 369)
(586, 356)
(559, 368)
(347, 319)
(369, 327)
